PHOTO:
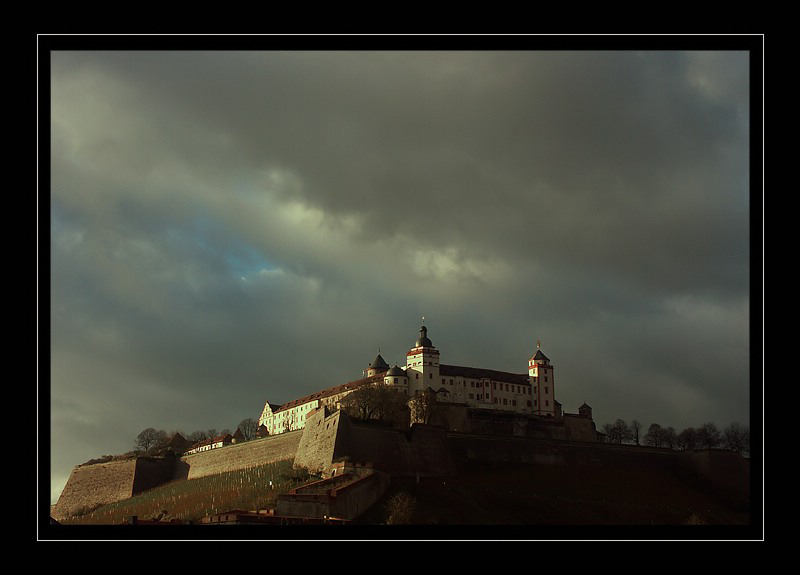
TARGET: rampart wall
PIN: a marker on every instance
(720, 470)
(329, 439)
(238, 456)
(90, 486)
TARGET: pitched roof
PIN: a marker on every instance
(540, 355)
(479, 373)
(349, 386)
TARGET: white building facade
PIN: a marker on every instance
(531, 393)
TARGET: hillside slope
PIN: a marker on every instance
(562, 495)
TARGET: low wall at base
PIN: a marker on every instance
(721, 471)
(90, 486)
(333, 498)
(239, 456)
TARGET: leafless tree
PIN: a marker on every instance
(708, 436)
(736, 437)
(150, 439)
(197, 436)
(424, 406)
(249, 428)
(654, 436)
(618, 432)
(687, 439)
(362, 402)
(635, 428)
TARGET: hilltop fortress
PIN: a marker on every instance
(481, 416)
(455, 389)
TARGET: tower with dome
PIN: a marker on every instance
(531, 393)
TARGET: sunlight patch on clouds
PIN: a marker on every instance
(449, 264)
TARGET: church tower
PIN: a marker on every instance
(422, 364)
(540, 374)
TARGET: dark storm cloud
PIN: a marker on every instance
(235, 227)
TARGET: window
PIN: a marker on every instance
(451, 382)
(513, 402)
(547, 390)
(505, 401)
(529, 403)
(430, 376)
(472, 396)
(395, 380)
(417, 376)
(547, 404)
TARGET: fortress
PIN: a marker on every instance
(482, 417)
(477, 388)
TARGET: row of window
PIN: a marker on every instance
(521, 389)
(505, 400)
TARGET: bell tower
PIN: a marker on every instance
(540, 374)
(422, 364)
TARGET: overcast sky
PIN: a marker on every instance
(230, 228)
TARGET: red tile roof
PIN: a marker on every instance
(479, 373)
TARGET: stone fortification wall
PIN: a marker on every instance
(721, 471)
(239, 456)
(330, 438)
(316, 449)
(90, 486)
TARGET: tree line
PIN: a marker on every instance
(152, 440)
(735, 436)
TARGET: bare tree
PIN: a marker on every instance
(249, 428)
(708, 436)
(736, 437)
(654, 436)
(687, 439)
(378, 402)
(635, 428)
(670, 438)
(197, 436)
(424, 406)
(618, 432)
(361, 403)
(150, 439)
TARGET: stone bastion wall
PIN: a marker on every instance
(329, 438)
(238, 456)
(90, 486)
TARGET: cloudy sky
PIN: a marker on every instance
(234, 227)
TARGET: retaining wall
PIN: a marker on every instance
(239, 456)
(90, 486)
